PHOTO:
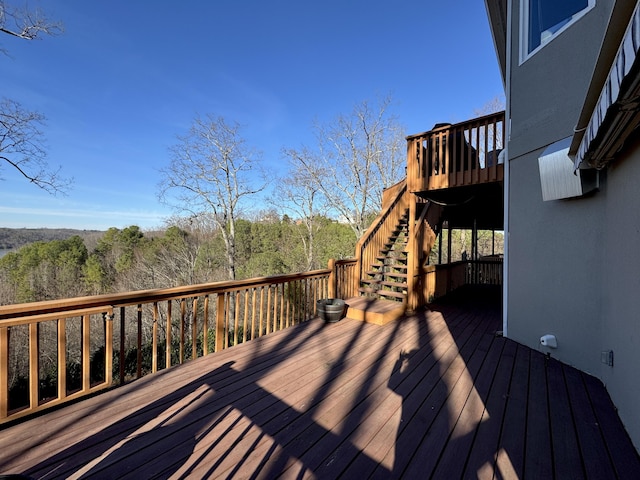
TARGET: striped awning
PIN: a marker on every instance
(616, 100)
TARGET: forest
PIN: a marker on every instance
(184, 253)
(13, 238)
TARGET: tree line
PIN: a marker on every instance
(189, 251)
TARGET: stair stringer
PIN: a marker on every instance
(376, 239)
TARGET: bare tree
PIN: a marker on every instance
(21, 140)
(24, 23)
(356, 157)
(300, 196)
(22, 147)
(494, 105)
(212, 170)
(483, 139)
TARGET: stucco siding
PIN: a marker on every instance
(554, 261)
(574, 265)
(620, 289)
(548, 89)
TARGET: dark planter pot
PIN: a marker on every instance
(330, 310)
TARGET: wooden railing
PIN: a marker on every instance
(56, 351)
(373, 240)
(438, 280)
(456, 155)
(345, 278)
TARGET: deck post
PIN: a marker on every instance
(333, 279)
(412, 256)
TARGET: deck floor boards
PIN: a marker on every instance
(435, 395)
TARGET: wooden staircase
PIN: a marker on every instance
(387, 277)
(385, 263)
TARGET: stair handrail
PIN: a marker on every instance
(370, 244)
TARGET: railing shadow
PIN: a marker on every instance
(425, 397)
(186, 424)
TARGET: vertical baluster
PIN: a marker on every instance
(475, 159)
(254, 293)
(4, 372)
(268, 318)
(485, 147)
(261, 319)
(139, 343)
(227, 318)
(288, 292)
(295, 298)
(276, 295)
(121, 354)
(86, 353)
(183, 312)
(62, 357)
(33, 365)
(205, 327)
(245, 321)
(194, 329)
(154, 339)
(304, 313)
(236, 315)
(108, 348)
(284, 305)
(168, 336)
(457, 135)
(219, 340)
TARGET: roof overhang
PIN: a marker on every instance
(497, 13)
(610, 111)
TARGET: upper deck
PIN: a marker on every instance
(457, 155)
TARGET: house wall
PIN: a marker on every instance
(574, 265)
(555, 259)
(621, 287)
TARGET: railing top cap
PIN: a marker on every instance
(439, 127)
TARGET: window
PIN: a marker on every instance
(544, 19)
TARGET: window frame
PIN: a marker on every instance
(524, 28)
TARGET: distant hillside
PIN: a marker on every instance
(12, 238)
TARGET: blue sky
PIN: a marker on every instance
(126, 77)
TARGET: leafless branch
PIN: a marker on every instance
(22, 147)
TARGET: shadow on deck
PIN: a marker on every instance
(436, 394)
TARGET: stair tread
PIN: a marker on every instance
(395, 257)
(388, 274)
(384, 293)
(391, 293)
(396, 274)
(399, 266)
(386, 283)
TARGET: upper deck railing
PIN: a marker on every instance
(456, 155)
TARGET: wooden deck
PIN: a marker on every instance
(436, 394)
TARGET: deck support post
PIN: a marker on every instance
(413, 255)
(333, 279)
